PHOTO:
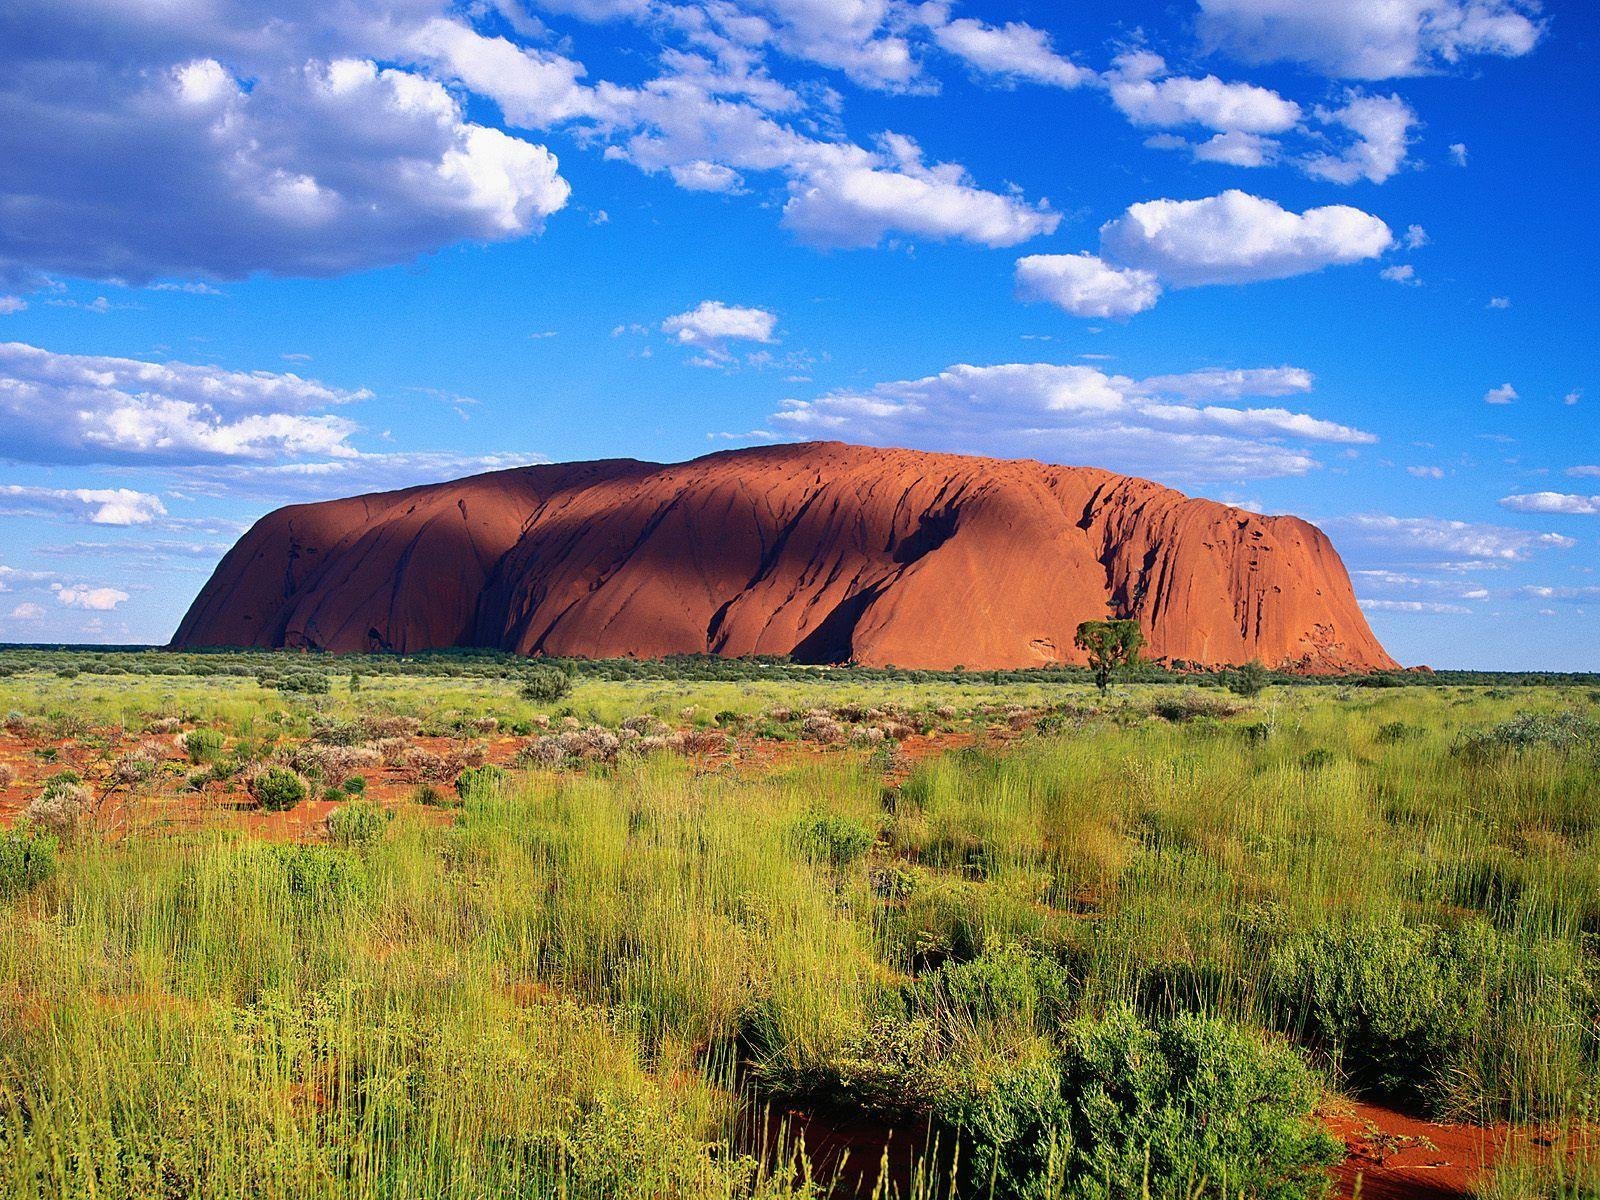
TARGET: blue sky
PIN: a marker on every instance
(1333, 260)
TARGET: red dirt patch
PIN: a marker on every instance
(1393, 1156)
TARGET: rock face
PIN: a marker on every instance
(823, 551)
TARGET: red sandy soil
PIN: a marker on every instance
(1393, 1156)
(822, 551)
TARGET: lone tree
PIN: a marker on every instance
(1249, 679)
(1110, 646)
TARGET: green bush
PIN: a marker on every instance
(27, 858)
(832, 839)
(479, 781)
(1563, 732)
(1249, 680)
(1125, 1108)
(277, 789)
(1444, 1017)
(318, 873)
(202, 746)
(357, 824)
(545, 685)
(431, 797)
(1396, 731)
(307, 683)
(1006, 983)
(1316, 758)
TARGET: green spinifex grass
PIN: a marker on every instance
(591, 983)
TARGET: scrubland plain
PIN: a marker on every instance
(418, 935)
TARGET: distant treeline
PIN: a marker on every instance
(468, 663)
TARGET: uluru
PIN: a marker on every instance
(825, 552)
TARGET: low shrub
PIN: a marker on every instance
(1316, 758)
(318, 873)
(1257, 732)
(479, 781)
(202, 746)
(831, 839)
(357, 824)
(1006, 983)
(544, 685)
(1187, 705)
(1249, 680)
(1464, 1021)
(8, 776)
(27, 858)
(277, 789)
(306, 683)
(431, 797)
(1562, 732)
(1392, 732)
(1129, 1108)
(63, 808)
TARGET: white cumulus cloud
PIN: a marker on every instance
(225, 144)
(1504, 394)
(1230, 238)
(94, 599)
(1369, 39)
(1176, 101)
(712, 322)
(98, 506)
(1553, 502)
(1235, 237)
(1013, 51)
(1380, 133)
(96, 408)
(1086, 285)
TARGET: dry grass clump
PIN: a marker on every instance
(64, 809)
(702, 741)
(332, 763)
(134, 767)
(164, 725)
(595, 743)
(8, 775)
(819, 727)
(420, 765)
(646, 725)
(378, 728)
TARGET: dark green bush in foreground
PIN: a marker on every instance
(277, 789)
(479, 781)
(27, 858)
(832, 839)
(1190, 1105)
(357, 824)
(1442, 1017)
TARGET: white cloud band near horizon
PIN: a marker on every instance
(1167, 426)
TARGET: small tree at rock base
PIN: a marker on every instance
(1110, 645)
(545, 685)
(1249, 679)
